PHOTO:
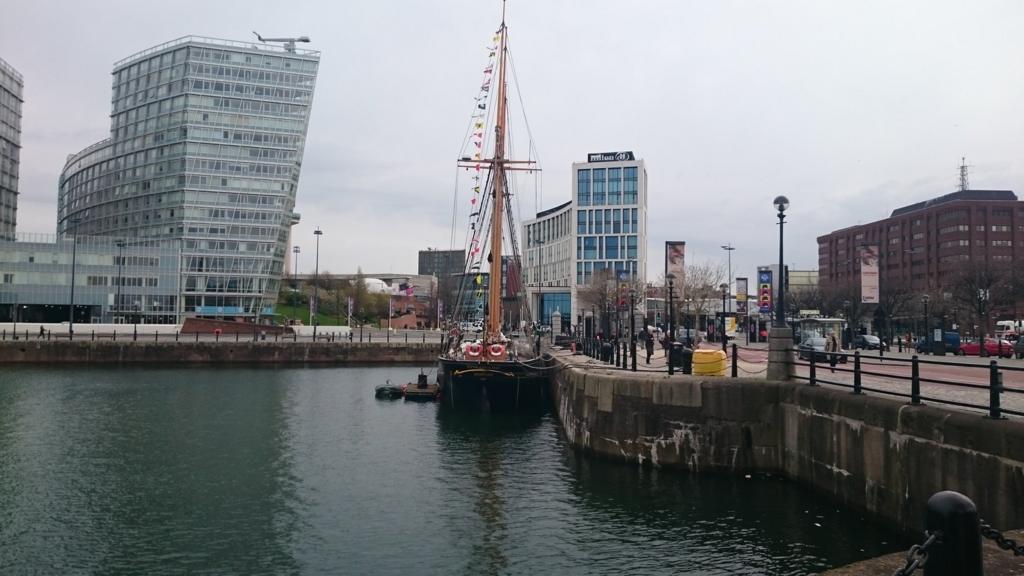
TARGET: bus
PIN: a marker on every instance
(818, 328)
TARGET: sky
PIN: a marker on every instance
(851, 109)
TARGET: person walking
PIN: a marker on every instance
(648, 344)
(832, 349)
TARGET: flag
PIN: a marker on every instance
(481, 106)
(479, 124)
(489, 69)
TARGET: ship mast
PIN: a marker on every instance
(493, 328)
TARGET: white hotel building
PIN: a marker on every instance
(604, 226)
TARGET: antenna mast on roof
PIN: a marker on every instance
(963, 174)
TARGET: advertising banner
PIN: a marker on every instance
(764, 291)
(741, 308)
(869, 274)
(741, 290)
(675, 264)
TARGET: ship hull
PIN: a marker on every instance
(492, 386)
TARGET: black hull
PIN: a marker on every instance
(492, 386)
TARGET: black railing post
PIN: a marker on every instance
(915, 381)
(406, 337)
(93, 337)
(197, 336)
(995, 388)
(176, 335)
(115, 336)
(424, 340)
(625, 355)
(812, 378)
(156, 336)
(735, 361)
(856, 372)
(953, 518)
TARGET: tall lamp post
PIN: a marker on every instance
(671, 322)
(725, 292)
(688, 324)
(729, 248)
(632, 328)
(316, 282)
(120, 263)
(781, 204)
(927, 327)
(848, 333)
(74, 258)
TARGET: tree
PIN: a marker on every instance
(701, 287)
(895, 300)
(608, 296)
(981, 287)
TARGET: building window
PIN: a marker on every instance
(8, 278)
(611, 247)
(631, 247)
(1001, 228)
(590, 248)
(599, 187)
(583, 176)
(581, 222)
(1001, 212)
(1003, 243)
(918, 235)
(979, 228)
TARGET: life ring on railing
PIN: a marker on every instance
(474, 350)
(496, 350)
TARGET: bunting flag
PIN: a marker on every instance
(476, 156)
(478, 125)
(472, 200)
(476, 189)
(481, 106)
(489, 69)
(479, 279)
(491, 55)
(477, 144)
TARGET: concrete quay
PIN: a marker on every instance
(207, 352)
(872, 453)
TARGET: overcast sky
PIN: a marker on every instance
(850, 108)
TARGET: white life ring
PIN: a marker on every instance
(496, 350)
(474, 350)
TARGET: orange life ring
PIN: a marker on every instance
(496, 350)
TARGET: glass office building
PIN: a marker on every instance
(610, 198)
(115, 281)
(548, 271)
(11, 85)
(205, 148)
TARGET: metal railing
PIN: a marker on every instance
(908, 376)
(133, 335)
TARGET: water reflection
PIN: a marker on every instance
(138, 470)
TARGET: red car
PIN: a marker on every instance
(993, 347)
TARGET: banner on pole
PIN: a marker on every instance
(741, 290)
(764, 291)
(869, 274)
(675, 264)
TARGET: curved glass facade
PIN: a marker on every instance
(206, 144)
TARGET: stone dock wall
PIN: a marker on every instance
(224, 352)
(870, 452)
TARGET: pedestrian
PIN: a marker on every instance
(42, 332)
(649, 345)
(832, 349)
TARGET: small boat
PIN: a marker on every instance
(421, 391)
(388, 391)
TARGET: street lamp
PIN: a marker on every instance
(725, 292)
(74, 258)
(927, 330)
(671, 323)
(781, 204)
(316, 282)
(632, 327)
(729, 248)
(120, 261)
(687, 324)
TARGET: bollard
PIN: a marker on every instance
(856, 372)
(197, 336)
(406, 337)
(369, 337)
(915, 381)
(813, 376)
(625, 355)
(156, 336)
(236, 336)
(995, 388)
(216, 335)
(424, 337)
(115, 336)
(616, 357)
(175, 335)
(957, 549)
(735, 367)
(93, 337)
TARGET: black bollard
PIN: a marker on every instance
(735, 361)
(957, 549)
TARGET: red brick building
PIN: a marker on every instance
(924, 244)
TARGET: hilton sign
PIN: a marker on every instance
(610, 156)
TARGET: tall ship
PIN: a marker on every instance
(491, 355)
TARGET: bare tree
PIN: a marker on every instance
(895, 299)
(701, 287)
(982, 287)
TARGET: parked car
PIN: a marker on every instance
(816, 346)
(952, 339)
(867, 342)
(1018, 348)
(993, 347)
